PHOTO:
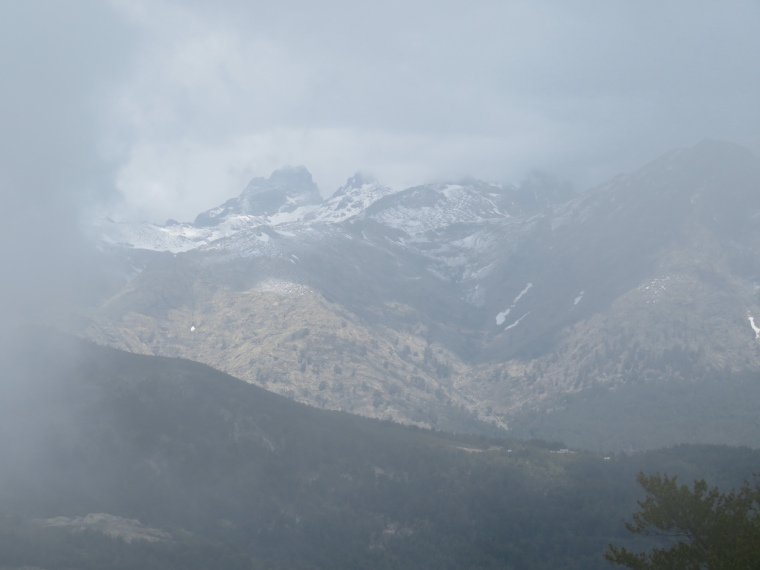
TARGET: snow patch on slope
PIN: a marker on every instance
(348, 202)
(753, 325)
(434, 206)
(501, 317)
(517, 322)
(654, 289)
(174, 237)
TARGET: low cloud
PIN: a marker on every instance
(177, 104)
(58, 61)
(421, 90)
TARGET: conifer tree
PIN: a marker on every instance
(703, 528)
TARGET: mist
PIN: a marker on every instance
(463, 358)
(177, 105)
(167, 108)
(59, 61)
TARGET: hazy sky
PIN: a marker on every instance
(175, 105)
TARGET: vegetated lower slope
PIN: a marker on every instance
(479, 307)
(220, 473)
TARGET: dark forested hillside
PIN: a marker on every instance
(189, 464)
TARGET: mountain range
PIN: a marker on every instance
(621, 317)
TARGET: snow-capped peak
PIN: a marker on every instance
(289, 201)
(433, 206)
(283, 192)
(350, 200)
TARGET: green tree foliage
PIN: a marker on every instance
(702, 528)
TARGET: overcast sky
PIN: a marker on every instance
(168, 108)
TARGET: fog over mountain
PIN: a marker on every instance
(534, 224)
(468, 305)
(179, 104)
(156, 110)
(117, 460)
(56, 72)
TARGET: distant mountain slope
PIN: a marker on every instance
(285, 192)
(198, 469)
(468, 305)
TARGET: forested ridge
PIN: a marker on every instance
(248, 479)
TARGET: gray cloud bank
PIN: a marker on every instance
(420, 90)
(57, 59)
(165, 108)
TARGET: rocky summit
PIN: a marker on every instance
(624, 316)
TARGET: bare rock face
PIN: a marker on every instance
(466, 305)
(282, 193)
